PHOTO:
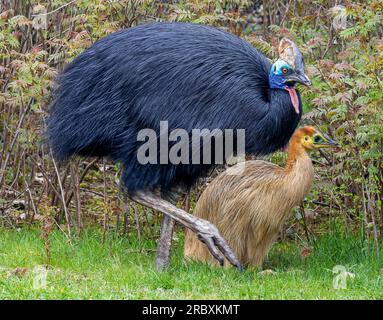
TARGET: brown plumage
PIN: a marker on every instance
(249, 202)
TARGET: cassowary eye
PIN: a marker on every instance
(285, 70)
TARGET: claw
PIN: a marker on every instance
(212, 248)
(226, 250)
(216, 244)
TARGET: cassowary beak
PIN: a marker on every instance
(300, 78)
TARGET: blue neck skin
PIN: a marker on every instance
(277, 81)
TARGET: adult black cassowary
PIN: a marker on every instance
(191, 76)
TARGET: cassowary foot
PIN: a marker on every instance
(164, 244)
(206, 231)
(216, 244)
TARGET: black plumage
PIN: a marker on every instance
(191, 75)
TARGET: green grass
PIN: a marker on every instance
(124, 269)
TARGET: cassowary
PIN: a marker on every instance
(193, 77)
(249, 207)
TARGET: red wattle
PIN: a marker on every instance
(294, 98)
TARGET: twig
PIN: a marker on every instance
(93, 192)
(303, 214)
(370, 206)
(365, 217)
(286, 12)
(90, 164)
(32, 203)
(324, 204)
(14, 140)
(46, 177)
(55, 10)
(105, 204)
(137, 223)
(76, 192)
(62, 194)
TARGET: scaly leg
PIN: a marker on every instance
(167, 227)
(164, 245)
(206, 231)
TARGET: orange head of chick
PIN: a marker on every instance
(307, 139)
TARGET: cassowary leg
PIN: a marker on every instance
(164, 245)
(167, 226)
(206, 231)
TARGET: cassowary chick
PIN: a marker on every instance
(249, 202)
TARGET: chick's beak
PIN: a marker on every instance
(327, 142)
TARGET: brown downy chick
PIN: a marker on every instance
(249, 207)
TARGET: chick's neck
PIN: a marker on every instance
(295, 151)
